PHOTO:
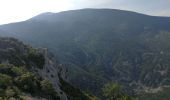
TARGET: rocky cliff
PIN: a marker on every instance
(29, 73)
(52, 70)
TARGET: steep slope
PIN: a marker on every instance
(26, 72)
(3, 33)
(103, 45)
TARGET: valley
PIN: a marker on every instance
(99, 46)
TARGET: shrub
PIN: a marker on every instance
(5, 81)
(27, 82)
(48, 89)
(114, 92)
(36, 57)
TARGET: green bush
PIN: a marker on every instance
(5, 81)
(27, 82)
(11, 70)
(36, 57)
(48, 89)
(17, 80)
(114, 92)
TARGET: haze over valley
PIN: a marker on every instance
(94, 53)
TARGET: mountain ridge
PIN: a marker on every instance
(103, 45)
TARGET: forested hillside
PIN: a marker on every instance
(103, 45)
(25, 74)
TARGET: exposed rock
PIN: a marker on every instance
(51, 72)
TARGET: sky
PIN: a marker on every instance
(19, 10)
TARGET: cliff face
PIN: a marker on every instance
(26, 72)
(51, 71)
(36, 61)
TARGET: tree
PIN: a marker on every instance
(47, 89)
(28, 82)
(114, 92)
(9, 93)
(5, 80)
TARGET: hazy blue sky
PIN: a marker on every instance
(18, 10)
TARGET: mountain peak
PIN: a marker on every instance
(85, 12)
(103, 45)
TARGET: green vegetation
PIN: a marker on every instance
(73, 93)
(100, 46)
(16, 78)
(19, 78)
(35, 56)
(48, 89)
(14, 81)
(114, 92)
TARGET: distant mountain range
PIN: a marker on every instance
(103, 45)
